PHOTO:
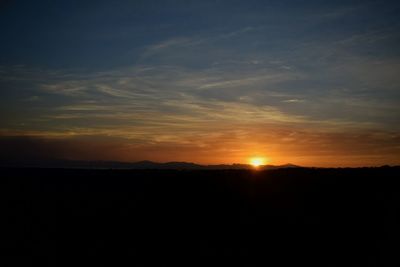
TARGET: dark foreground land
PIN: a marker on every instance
(287, 217)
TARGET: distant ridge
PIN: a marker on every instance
(140, 165)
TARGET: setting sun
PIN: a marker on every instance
(257, 161)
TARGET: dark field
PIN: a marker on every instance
(287, 217)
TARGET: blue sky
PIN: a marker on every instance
(311, 82)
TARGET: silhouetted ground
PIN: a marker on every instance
(287, 217)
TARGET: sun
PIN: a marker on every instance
(257, 161)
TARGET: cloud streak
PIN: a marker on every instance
(156, 109)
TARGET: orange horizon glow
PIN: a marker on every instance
(303, 149)
(257, 161)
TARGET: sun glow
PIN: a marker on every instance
(257, 162)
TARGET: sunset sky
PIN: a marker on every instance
(313, 83)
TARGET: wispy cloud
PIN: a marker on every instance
(251, 95)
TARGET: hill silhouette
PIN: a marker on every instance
(140, 165)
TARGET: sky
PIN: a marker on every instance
(313, 83)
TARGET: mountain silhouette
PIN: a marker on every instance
(140, 165)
